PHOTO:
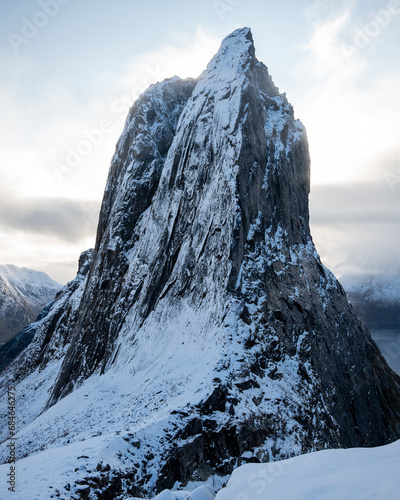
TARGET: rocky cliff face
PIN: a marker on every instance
(205, 332)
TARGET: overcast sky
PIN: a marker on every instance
(71, 69)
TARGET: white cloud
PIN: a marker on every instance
(356, 226)
(351, 111)
(77, 144)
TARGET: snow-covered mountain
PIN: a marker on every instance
(23, 294)
(376, 297)
(11, 349)
(202, 332)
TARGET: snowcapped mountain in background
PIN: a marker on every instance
(378, 288)
(375, 297)
(202, 332)
(23, 294)
(11, 349)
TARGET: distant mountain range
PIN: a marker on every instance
(375, 298)
(23, 294)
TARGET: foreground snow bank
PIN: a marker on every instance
(359, 473)
(203, 493)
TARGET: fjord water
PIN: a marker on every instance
(388, 341)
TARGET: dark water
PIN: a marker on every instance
(388, 342)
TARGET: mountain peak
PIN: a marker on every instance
(23, 293)
(239, 41)
(241, 32)
(206, 318)
(236, 52)
(234, 68)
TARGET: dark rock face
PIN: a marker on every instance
(205, 287)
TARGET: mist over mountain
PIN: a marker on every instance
(375, 297)
(373, 286)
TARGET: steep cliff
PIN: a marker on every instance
(206, 332)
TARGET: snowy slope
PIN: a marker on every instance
(379, 288)
(23, 293)
(356, 474)
(203, 331)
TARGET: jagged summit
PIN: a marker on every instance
(234, 59)
(217, 106)
(236, 53)
(204, 330)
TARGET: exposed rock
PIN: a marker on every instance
(206, 329)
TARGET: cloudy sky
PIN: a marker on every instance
(71, 69)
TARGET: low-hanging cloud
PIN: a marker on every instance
(356, 226)
(355, 203)
(67, 220)
(48, 232)
(351, 113)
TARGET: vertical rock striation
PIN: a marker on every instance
(205, 297)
